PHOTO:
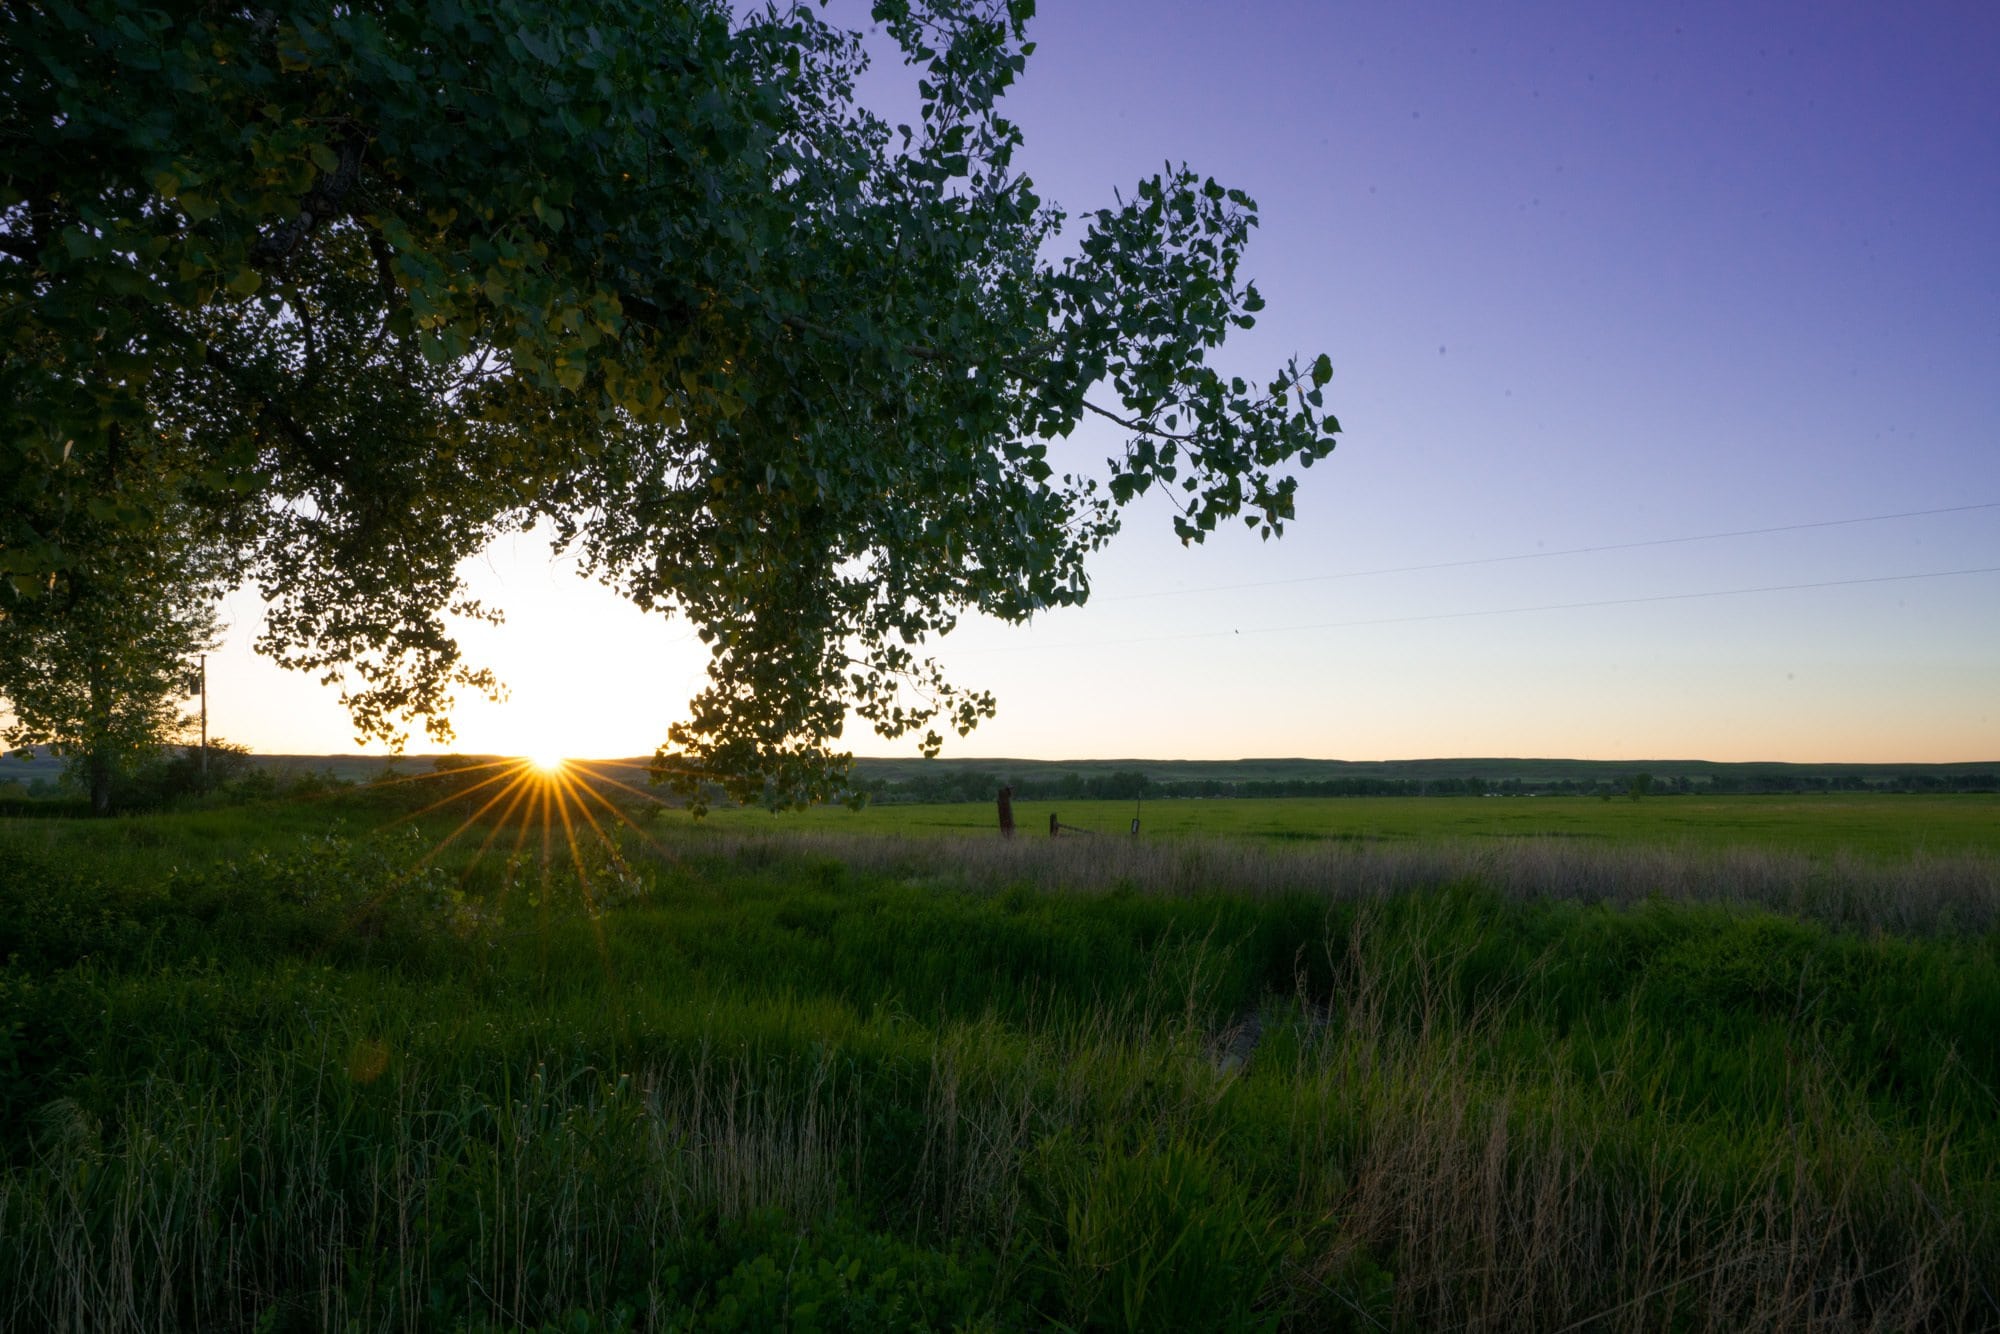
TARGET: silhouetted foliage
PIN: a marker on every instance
(364, 286)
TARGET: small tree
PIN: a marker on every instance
(97, 671)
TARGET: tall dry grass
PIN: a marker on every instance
(287, 1206)
(1511, 1200)
(1924, 894)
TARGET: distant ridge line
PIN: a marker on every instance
(983, 762)
(977, 776)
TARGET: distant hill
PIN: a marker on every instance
(961, 779)
(976, 779)
(1497, 768)
(41, 766)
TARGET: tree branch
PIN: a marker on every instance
(322, 202)
(287, 425)
(385, 271)
(1140, 427)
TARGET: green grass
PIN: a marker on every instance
(1895, 826)
(293, 1067)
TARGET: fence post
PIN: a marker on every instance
(1006, 812)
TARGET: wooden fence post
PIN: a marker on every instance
(1006, 812)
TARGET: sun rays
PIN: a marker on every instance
(539, 813)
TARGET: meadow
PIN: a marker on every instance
(1361, 1065)
(1891, 825)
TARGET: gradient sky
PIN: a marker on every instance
(1589, 275)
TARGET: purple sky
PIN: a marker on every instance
(1588, 275)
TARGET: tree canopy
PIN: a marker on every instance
(376, 282)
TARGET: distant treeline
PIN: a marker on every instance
(960, 785)
(178, 777)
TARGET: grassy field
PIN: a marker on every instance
(321, 1065)
(1894, 826)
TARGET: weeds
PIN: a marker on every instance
(308, 1079)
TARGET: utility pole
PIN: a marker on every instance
(204, 722)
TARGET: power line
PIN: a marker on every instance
(1514, 611)
(1540, 555)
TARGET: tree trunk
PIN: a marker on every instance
(99, 767)
(97, 736)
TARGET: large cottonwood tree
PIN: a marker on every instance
(382, 280)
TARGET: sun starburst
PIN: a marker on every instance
(558, 810)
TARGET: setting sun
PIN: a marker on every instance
(548, 761)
